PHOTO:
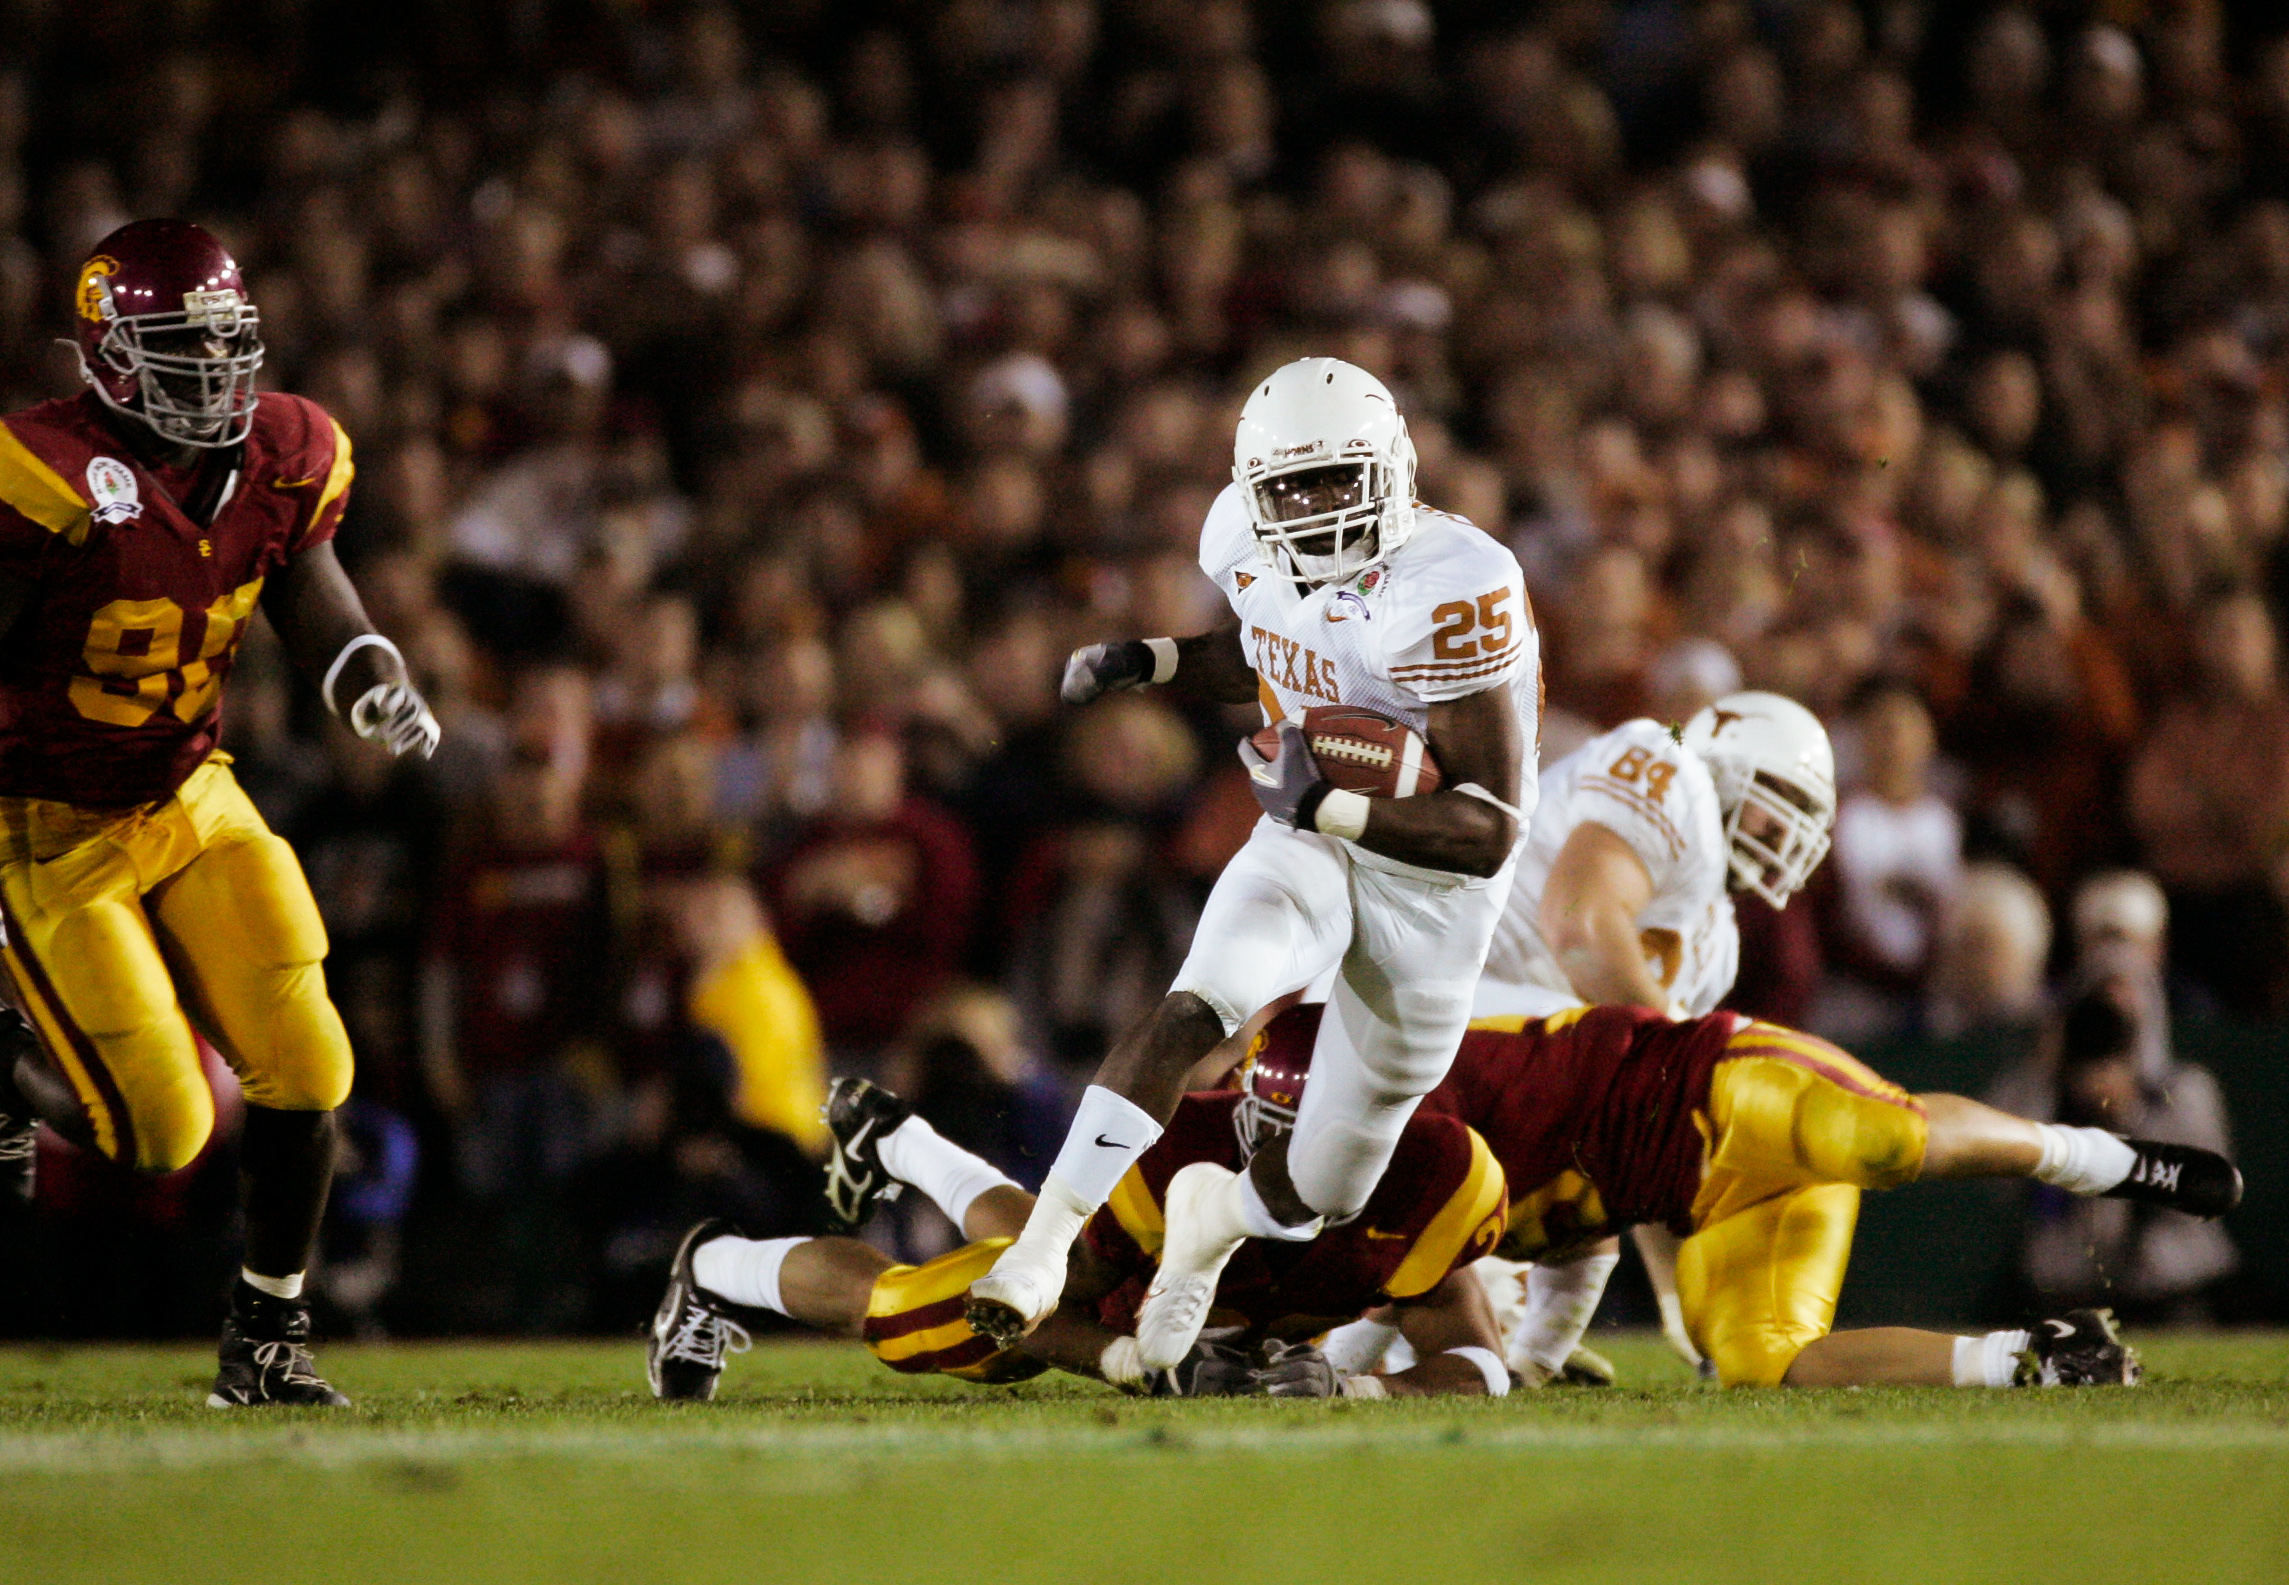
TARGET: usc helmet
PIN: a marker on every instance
(1776, 786)
(1324, 464)
(165, 332)
(1271, 1076)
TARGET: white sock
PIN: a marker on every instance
(1109, 1132)
(1057, 1218)
(916, 1153)
(1358, 1346)
(1560, 1300)
(276, 1287)
(744, 1270)
(1254, 1215)
(1990, 1361)
(2083, 1160)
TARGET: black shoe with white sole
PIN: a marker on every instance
(2180, 1178)
(2082, 1348)
(858, 1115)
(693, 1329)
(265, 1355)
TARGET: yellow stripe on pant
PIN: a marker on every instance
(129, 929)
(1796, 1128)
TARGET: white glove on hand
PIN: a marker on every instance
(393, 713)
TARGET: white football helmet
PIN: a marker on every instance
(1323, 461)
(1776, 786)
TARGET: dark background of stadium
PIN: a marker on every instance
(754, 403)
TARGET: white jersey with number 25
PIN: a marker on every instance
(1638, 783)
(1446, 616)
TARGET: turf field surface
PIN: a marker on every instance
(550, 1463)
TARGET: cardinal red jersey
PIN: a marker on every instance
(1440, 1205)
(1593, 1113)
(142, 584)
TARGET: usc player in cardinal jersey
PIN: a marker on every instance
(1752, 1143)
(145, 903)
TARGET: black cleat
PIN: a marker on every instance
(691, 1330)
(266, 1355)
(2180, 1178)
(2082, 1348)
(858, 1114)
(19, 1124)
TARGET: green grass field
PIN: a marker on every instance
(549, 1463)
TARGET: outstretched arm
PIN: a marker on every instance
(318, 616)
(1210, 666)
(1452, 1315)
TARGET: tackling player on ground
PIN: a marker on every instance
(1753, 1143)
(145, 903)
(1344, 591)
(1439, 1206)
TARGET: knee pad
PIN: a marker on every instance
(307, 1066)
(1756, 1356)
(168, 1124)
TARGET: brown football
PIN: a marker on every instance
(1362, 752)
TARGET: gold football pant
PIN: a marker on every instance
(127, 930)
(1796, 1130)
(914, 1320)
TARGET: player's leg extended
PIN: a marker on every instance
(1798, 1128)
(1392, 1027)
(246, 945)
(1279, 917)
(121, 1070)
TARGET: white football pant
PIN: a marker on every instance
(1406, 945)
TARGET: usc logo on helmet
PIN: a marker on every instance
(94, 294)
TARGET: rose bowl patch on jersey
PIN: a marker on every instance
(1362, 752)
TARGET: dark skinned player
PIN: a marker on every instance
(145, 903)
(1439, 1207)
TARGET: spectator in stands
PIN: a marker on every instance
(1994, 940)
(1897, 855)
(2210, 794)
(874, 898)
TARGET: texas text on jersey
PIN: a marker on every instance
(1444, 616)
(1638, 782)
(111, 686)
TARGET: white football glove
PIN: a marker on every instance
(392, 713)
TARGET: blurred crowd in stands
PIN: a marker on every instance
(754, 403)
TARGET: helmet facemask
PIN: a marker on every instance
(1319, 521)
(188, 392)
(1268, 1101)
(1776, 836)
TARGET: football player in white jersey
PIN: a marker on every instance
(1344, 590)
(1624, 895)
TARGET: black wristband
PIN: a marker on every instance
(1307, 807)
(1134, 660)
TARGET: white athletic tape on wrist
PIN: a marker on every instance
(334, 672)
(1496, 1373)
(1360, 1387)
(1342, 814)
(1119, 1363)
(1163, 658)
